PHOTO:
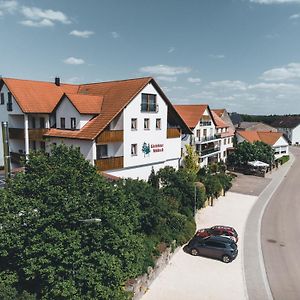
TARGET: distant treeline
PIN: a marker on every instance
(265, 119)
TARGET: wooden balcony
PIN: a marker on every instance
(37, 134)
(173, 133)
(109, 163)
(110, 136)
(34, 134)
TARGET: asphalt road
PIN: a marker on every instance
(280, 236)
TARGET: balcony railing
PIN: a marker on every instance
(16, 157)
(149, 107)
(173, 133)
(109, 163)
(209, 151)
(205, 123)
(207, 138)
(110, 136)
(34, 134)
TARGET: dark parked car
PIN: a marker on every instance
(218, 230)
(218, 247)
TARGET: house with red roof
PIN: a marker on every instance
(211, 135)
(125, 127)
(275, 139)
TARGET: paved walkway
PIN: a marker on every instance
(193, 278)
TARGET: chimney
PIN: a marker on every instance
(57, 81)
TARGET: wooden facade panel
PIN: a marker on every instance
(16, 133)
(37, 134)
(173, 133)
(109, 163)
(110, 136)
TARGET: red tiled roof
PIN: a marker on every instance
(37, 96)
(191, 114)
(219, 122)
(86, 104)
(219, 112)
(267, 137)
(230, 132)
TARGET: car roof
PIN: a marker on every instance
(218, 238)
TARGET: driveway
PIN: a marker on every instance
(190, 277)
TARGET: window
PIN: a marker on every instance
(146, 124)
(205, 132)
(158, 123)
(198, 133)
(133, 149)
(9, 102)
(43, 146)
(101, 151)
(42, 122)
(62, 123)
(73, 123)
(33, 122)
(2, 98)
(134, 124)
(149, 103)
(224, 141)
(224, 153)
(228, 141)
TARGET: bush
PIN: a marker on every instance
(284, 159)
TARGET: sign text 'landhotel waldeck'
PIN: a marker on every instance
(157, 147)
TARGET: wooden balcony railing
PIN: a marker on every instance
(173, 133)
(110, 136)
(109, 163)
(16, 133)
(16, 157)
(34, 134)
(37, 134)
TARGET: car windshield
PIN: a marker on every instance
(233, 246)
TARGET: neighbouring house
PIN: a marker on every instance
(254, 126)
(235, 118)
(274, 139)
(224, 115)
(125, 128)
(210, 134)
(290, 126)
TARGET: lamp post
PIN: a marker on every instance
(6, 149)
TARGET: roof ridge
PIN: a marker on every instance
(191, 104)
(41, 81)
(121, 80)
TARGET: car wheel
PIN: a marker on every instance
(194, 252)
(226, 259)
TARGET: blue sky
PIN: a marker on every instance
(242, 55)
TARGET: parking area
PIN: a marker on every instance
(249, 185)
(195, 277)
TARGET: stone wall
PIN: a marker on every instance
(140, 285)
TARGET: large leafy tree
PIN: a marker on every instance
(191, 160)
(48, 248)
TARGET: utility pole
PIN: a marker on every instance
(6, 149)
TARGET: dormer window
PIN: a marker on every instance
(73, 123)
(149, 103)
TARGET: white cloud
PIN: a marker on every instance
(115, 34)
(288, 72)
(194, 80)
(272, 36)
(74, 61)
(73, 80)
(39, 16)
(8, 7)
(295, 16)
(165, 70)
(42, 23)
(167, 78)
(274, 1)
(229, 84)
(217, 56)
(83, 34)
(171, 49)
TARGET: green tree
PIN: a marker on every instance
(191, 160)
(44, 243)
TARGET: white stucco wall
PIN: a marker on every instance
(86, 147)
(296, 135)
(4, 117)
(282, 147)
(67, 110)
(156, 139)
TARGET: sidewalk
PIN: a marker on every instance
(189, 277)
